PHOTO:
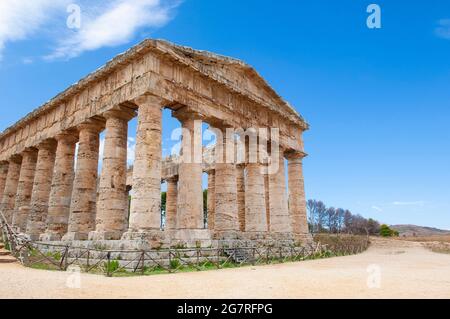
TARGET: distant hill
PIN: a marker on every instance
(418, 231)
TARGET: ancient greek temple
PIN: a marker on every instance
(51, 187)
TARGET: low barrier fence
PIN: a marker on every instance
(224, 254)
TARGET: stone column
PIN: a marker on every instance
(112, 200)
(37, 220)
(10, 191)
(211, 201)
(145, 213)
(24, 189)
(61, 190)
(267, 197)
(226, 211)
(297, 200)
(255, 199)
(241, 197)
(171, 203)
(190, 190)
(84, 193)
(3, 174)
(279, 212)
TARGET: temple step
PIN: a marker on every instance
(4, 252)
(7, 259)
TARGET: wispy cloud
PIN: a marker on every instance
(417, 203)
(20, 19)
(114, 24)
(443, 29)
(103, 23)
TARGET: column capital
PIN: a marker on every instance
(68, 136)
(120, 112)
(173, 179)
(294, 155)
(16, 158)
(92, 125)
(49, 144)
(30, 150)
(149, 100)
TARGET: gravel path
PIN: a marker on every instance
(406, 270)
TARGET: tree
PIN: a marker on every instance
(331, 219)
(386, 231)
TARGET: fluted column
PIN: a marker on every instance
(297, 200)
(24, 189)
(279, 213)
(84, 193)
(146, 202)
(241, 197)
(112, 200)
(3, 174)
(211, 201)
(37, 220)
(190, 191)
(226, 211)
(255, 199)
(61, 189)
(10, 191)
(171, 203)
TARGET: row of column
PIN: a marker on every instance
(42, 195)
(241, 198)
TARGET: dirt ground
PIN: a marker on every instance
(389, 269)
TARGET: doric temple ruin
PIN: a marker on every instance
(53, 193)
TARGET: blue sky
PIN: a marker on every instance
(377, 100)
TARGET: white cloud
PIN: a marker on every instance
(443, 29)
(417, 203)
(103, 23)
(20, 19)
(114, 24)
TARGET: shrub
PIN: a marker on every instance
(386, 231)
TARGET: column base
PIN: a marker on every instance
(75, 236)
(191, 238)
(50, 237)
(105, 235)
(154, 238)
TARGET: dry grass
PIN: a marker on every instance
(426, 239)
(437, 244)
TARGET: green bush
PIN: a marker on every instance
(386, 231)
